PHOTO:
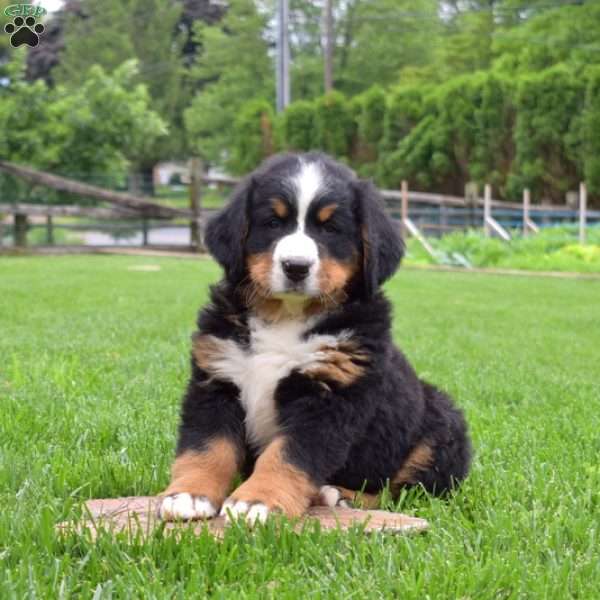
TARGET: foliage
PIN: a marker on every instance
(97, 34)
(378, 39)
(546, 104)
(253, 136)
(333, 124)
(439, 92)
(298, 126)
(590, 129)
(553, 249)
(96, 129)
(235, 68)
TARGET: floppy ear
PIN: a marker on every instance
(382, 245)
(226, 232)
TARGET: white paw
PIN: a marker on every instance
(252, 513)
(185, 506)
(331, 496)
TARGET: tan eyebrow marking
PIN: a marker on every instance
(280, 207)
(325, 213)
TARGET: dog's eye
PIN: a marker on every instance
(273, 223)
(330, 227)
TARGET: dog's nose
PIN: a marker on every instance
(296, 269)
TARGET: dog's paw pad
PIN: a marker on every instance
(252, 513)
(185, 507)
(332, 497)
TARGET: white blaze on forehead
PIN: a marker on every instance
(307, 182)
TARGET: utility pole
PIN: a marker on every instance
(283, 55)
(328, 63)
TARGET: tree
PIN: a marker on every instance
(590, 131)
(89, 133)
(379, 38)
(547, 105)
(157, 33)
(234, 68)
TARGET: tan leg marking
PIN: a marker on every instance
(207, 473)
(419, 459)
(275, 485)
(344, 364)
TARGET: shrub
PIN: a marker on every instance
(334, 125)
(254, 136)
(547, 104)
(591, 131)
(298, 126)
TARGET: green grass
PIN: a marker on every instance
(553, 249)
(93, 360)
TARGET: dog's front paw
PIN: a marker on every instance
(254, 502)
(185, 507)
(252, 512)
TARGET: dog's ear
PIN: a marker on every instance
(226, 232)
(382, 246)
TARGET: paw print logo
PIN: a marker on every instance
(24, 31)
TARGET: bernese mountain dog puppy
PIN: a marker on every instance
(296, 383)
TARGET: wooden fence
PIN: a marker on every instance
(420, 214)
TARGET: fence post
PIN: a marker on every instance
(404, 208)
(443, 219)
(195, 203)
(582, 212)
(20, 232)
(526, 203)
(471, 201)
(487, 208)
(49, 231)
(144, 230)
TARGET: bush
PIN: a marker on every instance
(298, 126)
(547, 104)
(591, 131)
(334, 125)
(553, 249)
(254, 136)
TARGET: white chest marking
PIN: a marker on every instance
(275, 351)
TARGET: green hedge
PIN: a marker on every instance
(540, 130)
(253, 136)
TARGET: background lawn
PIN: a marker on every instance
(94, 358)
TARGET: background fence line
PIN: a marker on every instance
(420, 214)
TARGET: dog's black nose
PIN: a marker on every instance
(296, 269)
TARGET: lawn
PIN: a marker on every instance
(93, 360)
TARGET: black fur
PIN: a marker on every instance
(358, 435)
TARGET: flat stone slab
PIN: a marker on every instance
(138, 514)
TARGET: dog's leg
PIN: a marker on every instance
(209, 454)
(320, 426)
(275, 485)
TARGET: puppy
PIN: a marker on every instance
(295, 381)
